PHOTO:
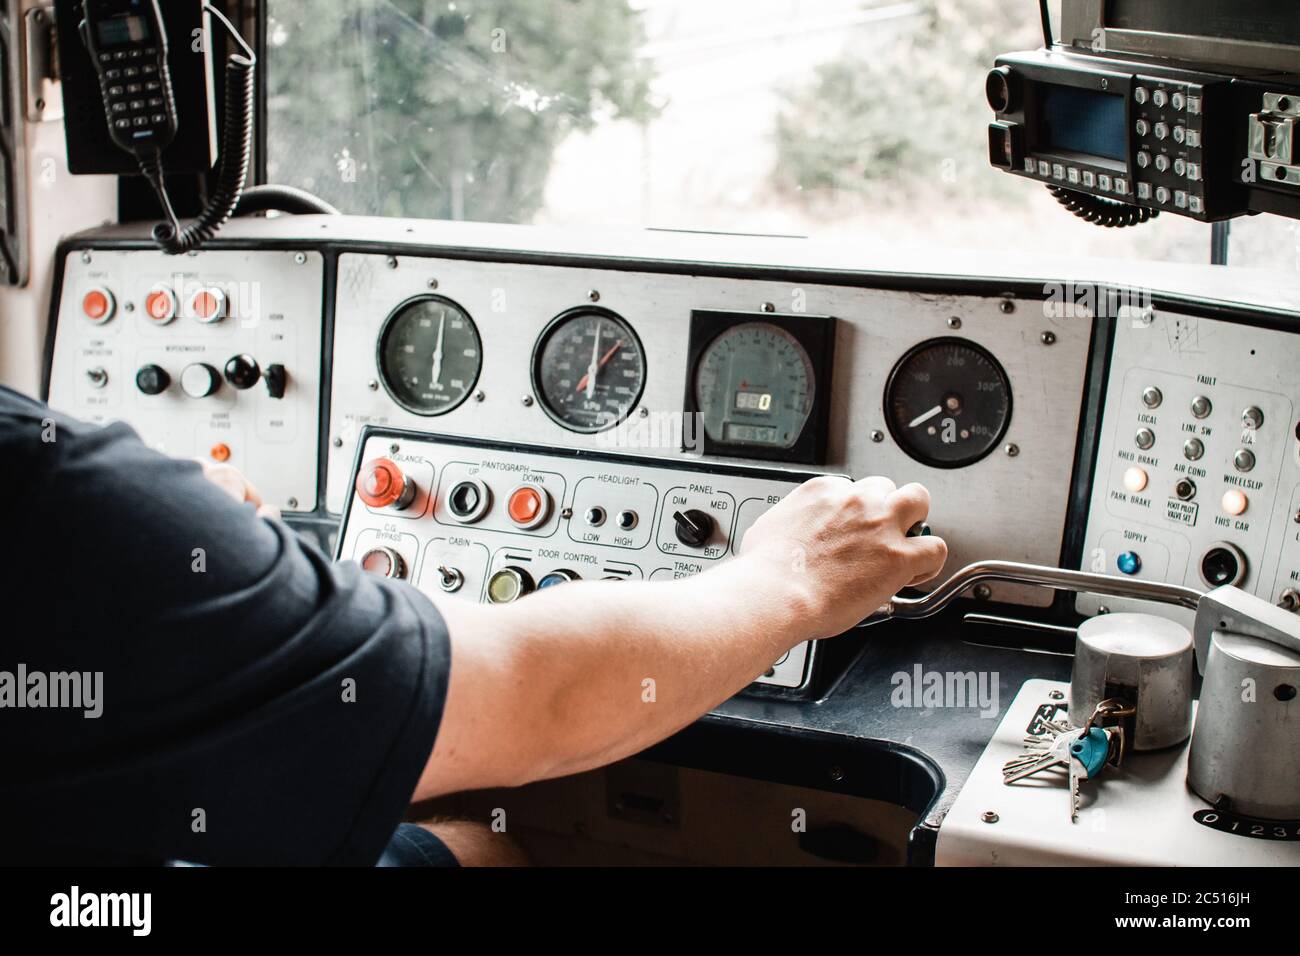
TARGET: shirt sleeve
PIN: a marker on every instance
(259, 703)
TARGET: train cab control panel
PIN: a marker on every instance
(488, 522)
(214, 355)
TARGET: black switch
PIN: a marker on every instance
(693, 527)
(242, 372)
(276, 377)
(152, 380)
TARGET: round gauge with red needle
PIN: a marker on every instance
(588, 369)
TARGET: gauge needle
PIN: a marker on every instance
(437, 351)
(589, 380)
(925, 416)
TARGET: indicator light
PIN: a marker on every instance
(1135, 479)
(98, 305)
(384, 562)
(1129, 563)
(160, 305)
(220, 452)
(1235, 502)
(558, 576)
(509, 584)
(208, 305)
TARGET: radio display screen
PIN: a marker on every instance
(1082, 121)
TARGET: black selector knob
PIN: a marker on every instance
(242, 372)
(693, 527)
(152, 379)
(275, 378)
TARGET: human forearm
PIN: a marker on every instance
(596, 671)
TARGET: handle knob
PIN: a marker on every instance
(382, 484)
(693, 527)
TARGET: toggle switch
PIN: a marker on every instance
(693, 527)
(382, 484)
(276, 379)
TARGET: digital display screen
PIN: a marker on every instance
(122, 30)
(753, 401)
(1082, 121)
(750, 434)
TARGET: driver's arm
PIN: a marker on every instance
(579, 676)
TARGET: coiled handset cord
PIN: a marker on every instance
(1101, 211)
(236, 154)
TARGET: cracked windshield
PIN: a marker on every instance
(838, 119)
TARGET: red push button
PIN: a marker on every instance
(160, 305)
(381, 484)
(208, 305)
(528, 506)
(98, 305)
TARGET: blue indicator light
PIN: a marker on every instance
(1129, 563)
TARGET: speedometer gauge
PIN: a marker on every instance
(754, 386)
(588, 369)
(948, 403)
(429, 355)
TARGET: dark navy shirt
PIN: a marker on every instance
(259, 703)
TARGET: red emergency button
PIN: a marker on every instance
(381, 484)
(208, 305)
(98, 305)
(160, 305)
(528, 506)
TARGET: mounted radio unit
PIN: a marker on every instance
(1161, 137)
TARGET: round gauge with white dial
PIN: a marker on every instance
(754, 386)
(588, 369)
(948, 402)
(429, 355)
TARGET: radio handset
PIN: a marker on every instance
(127, 41)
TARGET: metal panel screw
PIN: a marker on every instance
(593, 295)
(954, 323)
(292, 503)
(85, 257)
(128, 306)
(432, 283)
(1048, 338)
(877, 435)
(528, 401)
(479, 395)
(836, 774)
(1056, 695)
(983, 592)
(1102, 609)
(1006, 306)
(1012, 450)
(300, 257)
(392, 262)
(337, 443)
(988, 816)
(644, 413)
(768, 307)
(372, 385)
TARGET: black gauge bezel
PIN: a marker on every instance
(535, 365)
(386, 329)
(903, 441)
(815, 335)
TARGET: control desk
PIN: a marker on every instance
(487, 411)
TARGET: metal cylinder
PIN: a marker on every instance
(1245, 750)
(1144, 660)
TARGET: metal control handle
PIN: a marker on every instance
(1012, 571)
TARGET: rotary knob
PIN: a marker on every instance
(152, 379)
(242, 372)
(693, 527)
(199, 380)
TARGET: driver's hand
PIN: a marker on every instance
(840, 548)
(232, 481)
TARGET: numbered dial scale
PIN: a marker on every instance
(430, 355)
(948, 403)
(588, 369)
(760, 384)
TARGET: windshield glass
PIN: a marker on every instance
(842, 119)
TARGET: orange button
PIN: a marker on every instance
(160, 305)
(220, 452)
(381, 484)
(528, 506)
(208, 305)
(98, 305)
